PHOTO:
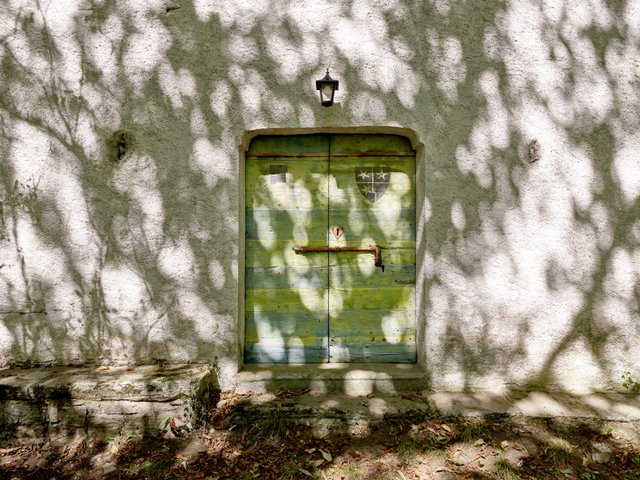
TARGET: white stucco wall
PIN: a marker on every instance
(529, 273)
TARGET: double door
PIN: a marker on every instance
(330, 249)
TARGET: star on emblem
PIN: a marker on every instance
(367, 189)
(363, 174)
(381, 175)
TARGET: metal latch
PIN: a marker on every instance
(376, 250)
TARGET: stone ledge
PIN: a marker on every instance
(541, 404)
(136, 383)
(61, 402)
(605, 406)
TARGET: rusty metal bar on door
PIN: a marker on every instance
(376, 250)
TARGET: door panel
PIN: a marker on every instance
(338, 307)
(372, 312)
(285, 294)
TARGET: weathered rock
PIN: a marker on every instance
(62, 402)
(602, 453)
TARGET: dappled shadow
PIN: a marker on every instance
(122, 223)
(241, 444)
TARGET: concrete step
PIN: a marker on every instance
(307, 406)
(136, 383)
(344, 378)
(502, 404)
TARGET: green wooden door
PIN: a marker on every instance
(321, 192)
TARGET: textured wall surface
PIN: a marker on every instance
(529, 258)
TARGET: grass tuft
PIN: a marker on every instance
(505, 471)
(558, 448)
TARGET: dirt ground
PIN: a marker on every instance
(235, 444)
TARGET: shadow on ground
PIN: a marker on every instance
(236, 443)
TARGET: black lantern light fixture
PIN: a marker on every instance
(327, 87)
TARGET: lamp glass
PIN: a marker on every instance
(327, 91)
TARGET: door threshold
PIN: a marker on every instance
(352, 379)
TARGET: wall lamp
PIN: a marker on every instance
(327, 87)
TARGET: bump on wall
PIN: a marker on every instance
(120, 144)
(534, 151)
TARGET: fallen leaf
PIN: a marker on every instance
(327, 456)
(305, 472)
(446, 427)
(479, 442)
(504, 444)
(317, 463)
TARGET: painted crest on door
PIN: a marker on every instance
(373, 182)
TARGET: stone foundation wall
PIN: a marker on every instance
(123, 126)
(59, 403)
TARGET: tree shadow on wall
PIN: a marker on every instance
(136, 259)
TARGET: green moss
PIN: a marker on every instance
(129, 389)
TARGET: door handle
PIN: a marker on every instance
(376, 250)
